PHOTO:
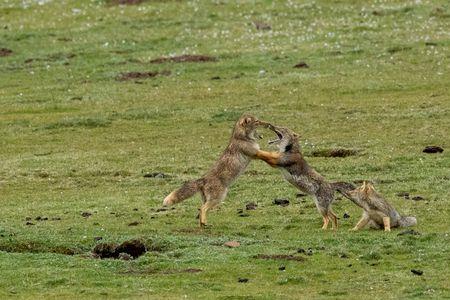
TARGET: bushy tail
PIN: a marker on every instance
(407, 221)
(187, 190)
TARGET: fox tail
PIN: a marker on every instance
(187, 190)
(407, 221)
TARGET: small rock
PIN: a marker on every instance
(281, 202)
(418, 198)
(346, 216)
(433, 149)
(242, 280)
(282, 268)
(409, 232)
(301, 65)
(417, 272)
(232, 244)
(86, 214)
(251, 206)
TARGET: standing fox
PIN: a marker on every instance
(296, 171)
(213, 186)
(378, 213)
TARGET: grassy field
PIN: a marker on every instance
(78, 133)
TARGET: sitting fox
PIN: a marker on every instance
(378, 213)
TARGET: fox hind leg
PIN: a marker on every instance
(362, 222)
(326, 220)
(210, 200)
(333, 217)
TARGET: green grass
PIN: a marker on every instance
(74, 139)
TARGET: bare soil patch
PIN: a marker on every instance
(336, 152)
(262, 26)
(5, 52)
(134, 248)
(301, 65)
(125, 2)
(184, 58)
(281, 202)
(280, 257)
(141, 75)
(433, 149)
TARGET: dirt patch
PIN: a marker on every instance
(232, 244)
(141, 75)
(403, 194)
(279, 257)
(396, 49)
(262, 26)
(301, 65)
(133, 248)
(184, 58)
(409, 232)
(157, 175)
(417, 272)
(86, 214)
(335, 152)
(251, 206)
(281, 202)
(433, 149)
(5, 52)
(125, 2)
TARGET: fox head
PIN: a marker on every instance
(364, 191)
(246, 126)
(287, 140)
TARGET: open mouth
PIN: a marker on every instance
(279, 135)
